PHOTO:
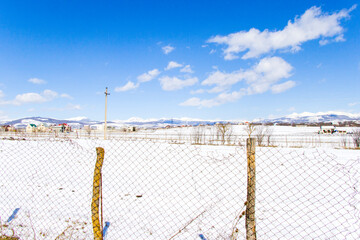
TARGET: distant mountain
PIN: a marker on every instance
(306, 117)
(23, 122)
(79, 122)
(169, 121)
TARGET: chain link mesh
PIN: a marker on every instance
(153, 189)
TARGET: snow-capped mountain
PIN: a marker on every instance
(23, 122)
(79, 122)
(169, 121)
(307, 117)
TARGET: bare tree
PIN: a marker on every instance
(344, 141)
(356, 137)
(87, 129)
(198, 134)
(225, 132)
(260, 134)
(212, 135)
(229, 134)
(179, 134)
(250, 129)
(269, 133)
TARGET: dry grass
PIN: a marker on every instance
(4, 237)
(8, 238)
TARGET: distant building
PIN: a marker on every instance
(43, 127)
(5, 128)
(20, 127)
(132, 129)
(330, 130)
(30, 128)
(63, 127)
(87, 128)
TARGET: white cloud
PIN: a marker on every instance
(20, 99)
(1, 94)
(28, 98)
(291, 109)
(73, 107)
(66, 108)
(262, 77)
(65, 95)
(128, 86)
(223, 80)
(172, 65)
(353, 104)
(313, 24)
(217, 89)
(199, 91)
(324, 42)
(150, 75)
(266, 73)
(50, 94)
(340, 38)
(187, 69)
(36, 81)
(168, 49)
(278, 88)
(193, 102)
(174, 83)
(219, 100)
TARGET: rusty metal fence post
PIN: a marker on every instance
(97, 223)
(250, 224)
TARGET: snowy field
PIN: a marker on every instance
(159, 190)
(282, 136)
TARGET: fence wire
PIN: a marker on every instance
(153, 189)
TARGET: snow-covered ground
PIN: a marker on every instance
(158, 190)
(284, 136)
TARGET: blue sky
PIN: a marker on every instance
(197, 59)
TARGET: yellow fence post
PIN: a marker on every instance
(96, 194)
(250, 203)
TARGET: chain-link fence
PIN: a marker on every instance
(151, 189)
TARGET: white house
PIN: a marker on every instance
(43, 127)
(30, 128)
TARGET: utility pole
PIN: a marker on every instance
(105, 127)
